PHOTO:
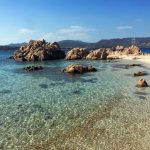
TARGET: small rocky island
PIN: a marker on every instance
(79, 69)
(83, 53)
(39, 51)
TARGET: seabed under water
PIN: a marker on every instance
(48, 109)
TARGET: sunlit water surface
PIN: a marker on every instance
(51, 110)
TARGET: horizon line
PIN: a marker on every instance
(80, 40)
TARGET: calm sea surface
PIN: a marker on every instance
(51, 110)
(145, 50)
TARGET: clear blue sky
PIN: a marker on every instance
(86, 20)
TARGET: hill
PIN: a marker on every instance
(12, 46)
(141, 42)
(72, 44)
(65, 44)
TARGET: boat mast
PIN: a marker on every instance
(133, 42)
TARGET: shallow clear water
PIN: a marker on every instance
(51, 110)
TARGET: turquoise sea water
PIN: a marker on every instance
(51, 110)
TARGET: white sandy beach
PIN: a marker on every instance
(140, 58)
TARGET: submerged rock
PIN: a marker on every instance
(10, 57)
(135, 65)
(98, 54)
(77, 53)
(43, 86)
(140, 93)
(109, 57)
(39, 51)
(79, 69)
(126, 66)
(121, 66)
(5, 92)
(33, 68)
(140, 73)
(142, 83)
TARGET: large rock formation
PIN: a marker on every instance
(82, 53)
(98, 54)
(39, 51)
(77, 53)
(128, 50)
(79, 69)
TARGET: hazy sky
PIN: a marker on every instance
(86, 20)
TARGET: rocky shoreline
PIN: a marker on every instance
(42, 51)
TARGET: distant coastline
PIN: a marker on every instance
(11, 46)
(143, 42)
(8, 48)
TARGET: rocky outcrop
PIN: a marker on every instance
(98, 54)
(39, 51)
(79, 69)
(33, 68)
(142, 83)
(77, 53)
(82, 53)
(140, 73)
(120, 48)
(128, 50)
(134, 50)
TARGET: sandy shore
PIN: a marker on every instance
(140, 58)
